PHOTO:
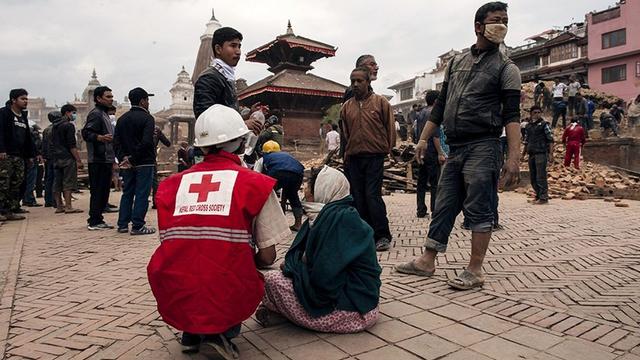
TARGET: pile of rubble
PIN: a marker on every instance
(398, 175)
(592, 181)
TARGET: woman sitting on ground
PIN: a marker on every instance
(330, 279)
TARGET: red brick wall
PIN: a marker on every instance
(301, 128)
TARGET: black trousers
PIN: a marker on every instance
(99, 187)
(365, 177)
(538, 174)
(290, 184)
(429, 173)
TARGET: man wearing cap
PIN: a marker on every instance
(136, 153)
(211, 216)
(98, 134)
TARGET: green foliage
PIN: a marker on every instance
(332, 115)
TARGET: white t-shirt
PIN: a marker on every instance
(559, 89)
(573, 88)
(333, 140)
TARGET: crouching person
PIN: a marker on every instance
(330, 280)
(203, 275)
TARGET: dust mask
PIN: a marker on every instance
(495, 32)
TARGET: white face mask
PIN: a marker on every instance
(495, 32)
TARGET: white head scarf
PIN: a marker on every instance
(331, 185)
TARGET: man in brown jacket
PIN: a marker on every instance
(369, 130)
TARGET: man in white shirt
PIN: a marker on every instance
(333, 138)
(559, 106)
(572, 90)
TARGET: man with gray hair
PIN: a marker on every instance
(369, 62)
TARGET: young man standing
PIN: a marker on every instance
(98, 134)
(66, 159)
(369, 131)
(217, 84)
(134, 147)
(572, 90)
(203, 275)
(480, 95)
(16, 150)
(538, 143)
(333, 138)
(430, 170)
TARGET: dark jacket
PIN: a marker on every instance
(480, 95)
(134, 137)
(537, 137)
(213, 88)
(37, 140)
(63, 139)
(281, 161)
(160, 138)
(15, 135)
(98, 123)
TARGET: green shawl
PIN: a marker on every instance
(333, 264)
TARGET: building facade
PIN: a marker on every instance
(614, 49)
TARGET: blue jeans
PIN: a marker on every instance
(134, 202)
(30, 185)
(48, 183)
(468, 183)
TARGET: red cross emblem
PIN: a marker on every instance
(204, 188)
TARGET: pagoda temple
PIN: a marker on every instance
(302, 96)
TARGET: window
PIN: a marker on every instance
(563, 52)
(406, 94)
(638, 69)
(614, 73)
(614, 38)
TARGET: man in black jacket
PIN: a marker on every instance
(479, 96)
(16, 149)
(66, 159)
(98, 134)
(217, 84)
(135, 149)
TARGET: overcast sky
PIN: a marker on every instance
(50, 47)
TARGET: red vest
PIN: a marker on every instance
(203, 274)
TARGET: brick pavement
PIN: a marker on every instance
(567, 288)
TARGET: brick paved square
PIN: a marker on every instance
(426, 320)
(428, 346)
(456, 312)
(356, 343)
(90, 298)
(578, 349)
(490, 324)
(499, 348)
(461, 334)
(394, 331)
(315, 350)
(532, 338)
(388, 352)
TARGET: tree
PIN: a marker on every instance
(332, 115)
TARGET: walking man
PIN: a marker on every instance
(429, 172)
(16, 149)
(480, 95)
(66, 159)
(98, 134)
(368, 127)
(136, 151)
(538, 143)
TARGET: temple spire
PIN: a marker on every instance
(213, 15)
(289, 28)
(93, 74)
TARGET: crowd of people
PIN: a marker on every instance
(220, 216)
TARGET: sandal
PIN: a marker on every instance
(466, 281)
(411, 269)
(143, 231)
(266, 317)
(59, 210)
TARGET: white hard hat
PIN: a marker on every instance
(219, 124)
